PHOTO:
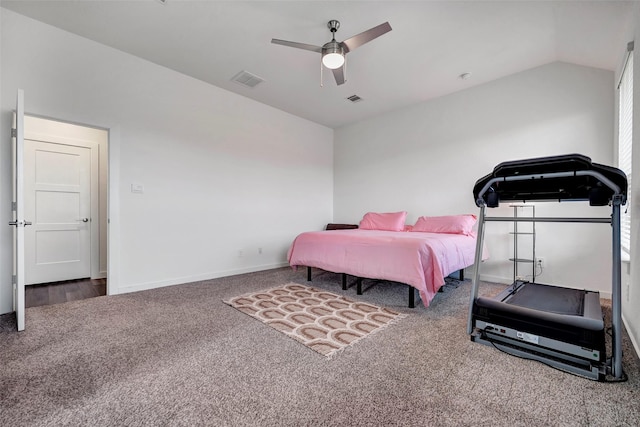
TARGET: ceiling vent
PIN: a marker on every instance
(354, 98)
(247, 79)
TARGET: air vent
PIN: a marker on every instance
(247, 79)
(354, 98)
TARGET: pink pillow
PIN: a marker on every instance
(393, 221)
(452, 224)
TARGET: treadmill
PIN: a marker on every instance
(561, 327)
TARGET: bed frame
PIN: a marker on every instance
(560, 327)
(358, 283)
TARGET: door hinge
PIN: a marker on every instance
(13, 206)
(14, 133)
(14, 279)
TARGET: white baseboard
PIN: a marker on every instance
(496, 279)
(634, 342)
(195, 278)
(100, 275)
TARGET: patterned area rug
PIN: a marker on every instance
(321, 320)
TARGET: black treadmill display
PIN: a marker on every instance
(550, 187)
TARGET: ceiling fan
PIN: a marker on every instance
(334, 53)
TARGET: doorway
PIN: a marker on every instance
(66, 200)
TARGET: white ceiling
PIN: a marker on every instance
(431, 44)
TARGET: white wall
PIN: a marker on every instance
(221, 173)
(427, 158)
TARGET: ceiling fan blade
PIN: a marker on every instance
(338, 73)
(365, 37)
(298, 45)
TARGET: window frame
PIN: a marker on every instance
(625, 142)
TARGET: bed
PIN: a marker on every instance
(409, 255)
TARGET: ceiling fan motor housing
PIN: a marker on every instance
(332, 47)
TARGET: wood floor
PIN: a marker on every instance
(59, 292)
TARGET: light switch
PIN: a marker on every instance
(137, 188)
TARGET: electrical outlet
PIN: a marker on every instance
(628, 290)
(539, 262)
(259, 251)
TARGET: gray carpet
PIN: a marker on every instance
(180, 356)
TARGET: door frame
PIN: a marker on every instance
(18, 221)
(99, 153)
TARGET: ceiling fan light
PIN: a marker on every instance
(332, 55)
(333, 60)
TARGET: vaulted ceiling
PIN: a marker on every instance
(432, 43)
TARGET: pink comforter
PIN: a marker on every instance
(421, 260)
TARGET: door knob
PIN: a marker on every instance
(20, 223)
(85, 219)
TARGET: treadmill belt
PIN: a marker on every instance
(549, 298)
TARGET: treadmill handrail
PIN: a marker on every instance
(606, 181)
(603, 220)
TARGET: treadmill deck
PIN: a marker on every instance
(552, 299)
(529, 313)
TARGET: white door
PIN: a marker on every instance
(19, 223)
(57, 186)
